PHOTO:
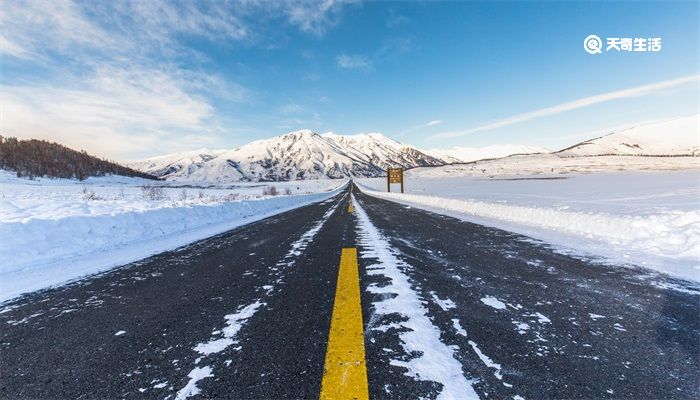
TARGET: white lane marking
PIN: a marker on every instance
(435, 360)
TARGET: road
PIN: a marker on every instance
(426, 306)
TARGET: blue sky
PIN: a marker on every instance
(134, 79)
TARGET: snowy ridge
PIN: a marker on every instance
(467, 154)
(669, 137)
(294, 156)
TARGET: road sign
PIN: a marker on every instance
(394, 175)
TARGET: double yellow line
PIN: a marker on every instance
(345, 372)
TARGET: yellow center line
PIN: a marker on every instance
(350, 207)
(345, 372)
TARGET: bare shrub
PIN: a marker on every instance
(183, 194)
(200, 195)
(153, 192)
(231, 197)
(90, 195)
(287, 191)
(270, 191)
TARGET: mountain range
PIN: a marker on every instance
(305, 154)
(294, 156)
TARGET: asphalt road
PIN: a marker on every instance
(246, 314)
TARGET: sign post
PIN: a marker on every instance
(394, 175)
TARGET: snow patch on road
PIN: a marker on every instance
(226, 336)
(493, 302)
(435, 361)
(444, 304)
(458, 327)
(487, 360)
(300, 245)
(195, 376)
(234, 322)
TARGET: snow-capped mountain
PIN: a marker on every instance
(467, 154)
(384, 152)
(176, 164)
(669, 137)
(297, 155)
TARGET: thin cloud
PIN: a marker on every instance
(117, 113)
(421, 126)
(314, 17)
(354, 62)
(638, 91)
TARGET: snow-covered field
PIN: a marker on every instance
(552, 165)
(650, 219)
(56, 230)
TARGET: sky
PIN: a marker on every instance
(133, 79)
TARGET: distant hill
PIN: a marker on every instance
(670, 137)
(467, 154)
(36, 158)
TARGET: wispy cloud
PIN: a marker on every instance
(291, 108)
(391, 49)
(119, 80)
(394, 20)
(395, 47)
(637, 91)
(421, 126)
(354, 62)
(314, 17)
(117, 113)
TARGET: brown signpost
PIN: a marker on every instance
(394, 175)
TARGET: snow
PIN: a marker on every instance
(434, 360)
(646, 218)
(233, 325)
(119, 333)
(191, 388)
(225, 337)
(493, 302)
(458, 327)
(446, 304)
(487, 360)
(294, 156)
(667, 136)
(553, 166)
(53, 234)
(466, 154)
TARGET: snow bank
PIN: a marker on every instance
(40, 248)
(621, 223)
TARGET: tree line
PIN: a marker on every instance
(40, 158)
